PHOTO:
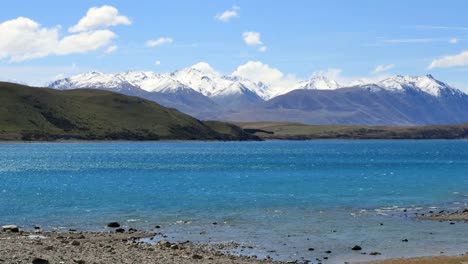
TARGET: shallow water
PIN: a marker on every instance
(282, 196)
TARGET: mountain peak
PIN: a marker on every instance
(319, 82)
(203, 67)
(426, 83)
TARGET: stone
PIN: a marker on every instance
(40, 261)
(10, 228)
(195, 256)
(375, 253)
(174, 246)
(120, 230)
(404, 240)
(113, 224)
(356, 248)
(311, 249)
(157, 227)
(328, 252)
(79, 261)
(164, 243)
(75, 243)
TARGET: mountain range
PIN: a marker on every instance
(203, 92)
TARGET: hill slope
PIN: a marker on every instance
(298, 131)
(28, 113)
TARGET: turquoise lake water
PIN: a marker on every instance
(282, 197)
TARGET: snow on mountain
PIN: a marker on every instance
(202, 78)
(318, 82)
(427, 84)
(153, 82)
(92, 80)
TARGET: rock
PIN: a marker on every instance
(49, 248)
(404, 240)
(375, 253)
(120, 230)
(40, 261)
(10, 228)
(356, 248)
(75, 243)
(157, 227)
(79, 261)
(164, 243)
(328, 252)
(113, 224)
(452, 223)
(37, 227)
(311, 249)
(195, 256)
(132, 229)
(174, 246)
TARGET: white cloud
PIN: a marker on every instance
(228, 14)
(100, 17)
(157, 62)
(159, 41)
(383, 68)
(111, 49)
(263, 48)
(260, 72)
(453, 41)
(252, 38)
(84, 42)
(23, 39)
(460, 59)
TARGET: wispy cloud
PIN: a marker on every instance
(383, 68)
(457, 60)
(158, 42)
(409, 40)
(439, 27)
(111, 49)
(227, 15)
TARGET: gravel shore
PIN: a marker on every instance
(106, 248)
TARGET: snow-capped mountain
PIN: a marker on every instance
(427, 84)
(319, 82)
(203, 92)
(205, 80)
(97, 80)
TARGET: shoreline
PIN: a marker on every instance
(5, 142)
(117, 245)
(110, 248)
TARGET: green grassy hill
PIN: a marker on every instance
(28, 113)
(284, 130)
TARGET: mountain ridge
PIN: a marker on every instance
(203, 92)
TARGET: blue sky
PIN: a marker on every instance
(300, 37)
